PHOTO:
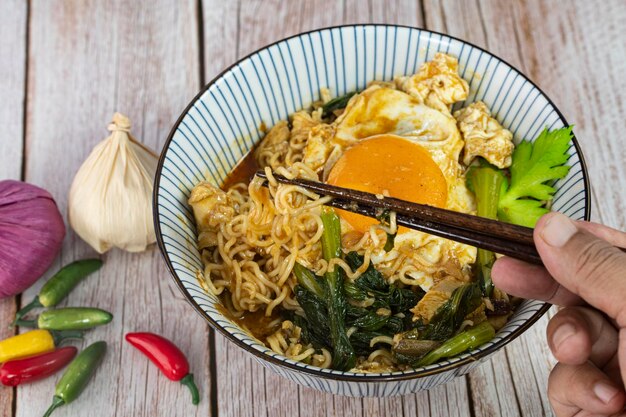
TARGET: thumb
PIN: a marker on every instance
(584, 264)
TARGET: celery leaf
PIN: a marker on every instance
(534, 167)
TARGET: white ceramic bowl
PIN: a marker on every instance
(222, 123)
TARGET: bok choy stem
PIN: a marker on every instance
(344, 357)
(308, 280)
(466, 340)
(486, 182)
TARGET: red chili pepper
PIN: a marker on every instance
(164, 354)
(32, 368)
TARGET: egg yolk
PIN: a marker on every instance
(391, 166)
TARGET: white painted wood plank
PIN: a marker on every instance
(545, 41)
(551, 44)
(578, 58)
(89, 59)
(496, 384)
(492, 387)
(575, 55)
(12, 80)
(7, 312)
(257, 28)
(220, 27)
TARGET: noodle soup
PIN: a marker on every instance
(338, 290)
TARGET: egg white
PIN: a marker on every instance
(383, 110)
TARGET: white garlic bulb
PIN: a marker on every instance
(110, 201)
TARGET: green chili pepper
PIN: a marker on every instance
(70, 318)
(77, 375)
(60, 285)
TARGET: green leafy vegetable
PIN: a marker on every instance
(336, 104)
(316, 330)
(389, 242)
(466, 340)
(308, 280)
(361, 342)
(371, 283)
(448, 318)
(486, 182)
(371, 321)
(384, 219)
(534, 167)
(371, 280)
(403, 299)
(354, 292)
(344, 357)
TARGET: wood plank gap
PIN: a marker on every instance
(121, 334)
(238, 30)
(423, 12)
(213, 370)
(212, 357)
(508, 361)
(200, 22)
(537, 378)
(18, 298)
(24, 109)
(470, 396)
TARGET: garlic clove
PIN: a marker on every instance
(110, 200)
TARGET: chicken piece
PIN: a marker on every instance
(273, 148)
(437, 83)
(211, 208)
(319, 146)
(484, 136)
(434, 298)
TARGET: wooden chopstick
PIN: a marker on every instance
(497, 244)
(507, 239)
(504, 238)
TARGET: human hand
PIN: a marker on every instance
(587, 274)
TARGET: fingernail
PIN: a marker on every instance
(558, 230)
(605, 392)
(562, 333)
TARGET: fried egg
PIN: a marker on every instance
(392, 166)
(387, 142)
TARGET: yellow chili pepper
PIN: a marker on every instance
(32, 343)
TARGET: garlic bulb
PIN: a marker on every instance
(110, 201)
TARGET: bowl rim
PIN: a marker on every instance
(313, 370)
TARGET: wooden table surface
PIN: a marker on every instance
(66, 66)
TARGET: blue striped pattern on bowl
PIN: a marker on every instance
(224, 122)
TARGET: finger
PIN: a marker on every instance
(530, 281)
(572, 388)
(579, 334)
(613, 236)
(583, 263)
